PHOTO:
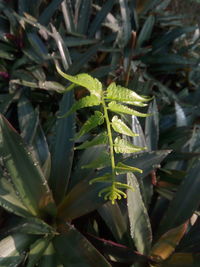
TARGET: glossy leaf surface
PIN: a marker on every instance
(140, 227)
(66, 246)
(28, 180)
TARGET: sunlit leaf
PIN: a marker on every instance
(125, 95)
(123, 146)
(93, 85)
(119, 126)
(118, 108)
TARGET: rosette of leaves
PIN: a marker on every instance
(114, 99)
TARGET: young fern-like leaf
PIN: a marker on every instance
(120, 127)
(105, 178)
(124, 95)
(114, 99)
(123, 168)
(113, 192)
(87, 101)
(93, 85)
(123, 146)
(119, 108)
(101, 139)
(101, 162)
(91, 123)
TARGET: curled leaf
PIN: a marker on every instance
(113, 192)
(105, 178)
(123, 168)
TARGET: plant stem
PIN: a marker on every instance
(108, 124)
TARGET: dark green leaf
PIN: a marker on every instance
(100, 17)
(37, 249)
(84, 16)
(6, 101)
(146, 30)
(82, 199)
(146, 161)
(49, 257)
(140, 226)
(28, 119)
(74, 249)
(10, 201)
(170, 36)
(185, 202)
(62, 149)
(38, 45)
(35, 226)
(152, 127)
(26, 175)
(46, 15)
(116, 222)
(125, 30)
(11, 249)
(83, 59)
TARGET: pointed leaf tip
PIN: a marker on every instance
(93, 85)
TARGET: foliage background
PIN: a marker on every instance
(151, 51)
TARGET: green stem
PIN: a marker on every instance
(111, 145)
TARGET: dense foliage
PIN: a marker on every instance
(54, 168)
